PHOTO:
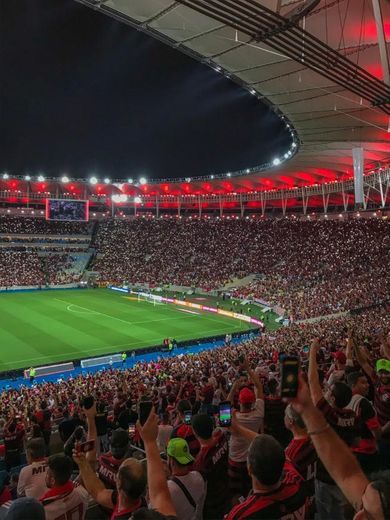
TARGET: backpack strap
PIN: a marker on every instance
(187, 494)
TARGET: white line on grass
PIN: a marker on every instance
(91, 312)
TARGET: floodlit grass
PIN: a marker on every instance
(44, 327)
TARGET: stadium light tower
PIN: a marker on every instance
(143, 181)
(64, 179)
(93, 180)
(276, 161)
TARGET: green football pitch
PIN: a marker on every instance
(45, 327)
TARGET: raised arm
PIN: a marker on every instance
(255, 379)
(91, 482)
(343, 467)
(361, 358)
(314, 380)
(90, 414)
(159, 495)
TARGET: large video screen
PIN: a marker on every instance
(67, 210)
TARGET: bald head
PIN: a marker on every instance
(131, 478)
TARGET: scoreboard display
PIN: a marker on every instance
(67, 210)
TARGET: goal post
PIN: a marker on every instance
(150, 298)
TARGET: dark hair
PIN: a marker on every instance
(266, 459)
(36, 448)
(272, 385)
(183, 405)
(132, 479)
(61, 467)
(203, 426)
(342, 394)
(353, 377)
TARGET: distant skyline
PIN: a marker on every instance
(82, 94)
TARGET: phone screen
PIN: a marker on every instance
(225, 414)
(289, 376)
(187, 417)
(144, 411)
(131, 429)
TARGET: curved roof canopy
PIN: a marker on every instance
(324, 71)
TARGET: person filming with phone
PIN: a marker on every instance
(251, 416)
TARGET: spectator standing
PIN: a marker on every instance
(187, 488)
(32, 478)
(251, 415)
(63, 499)
(212, 463)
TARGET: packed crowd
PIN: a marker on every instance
(39, 226)
(276, 460)
(308, 268)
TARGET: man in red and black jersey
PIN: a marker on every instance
(183, 430)
(381, 381)
(277, 488)
(366, 450)
(43, 418)
(109, 463)
(14, 433)
(302, 454)
(212, 463)
(330, 501)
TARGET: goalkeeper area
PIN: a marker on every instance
(46, 327)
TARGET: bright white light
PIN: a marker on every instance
(107, 180)
(27, 178)
(211, 176)
(143, 181)
(93, 180)
(64, 179)
(341, 215)
(5, 176)
(253, 91)
(294, 145)
(248, 170)
(188, 179)
(41, 178)
(119, 198)
(137, 200)
(228, 175)
(276, 161)
(218, 68)
(130, 181)
(286, 156)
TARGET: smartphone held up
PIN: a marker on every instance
(289, 369)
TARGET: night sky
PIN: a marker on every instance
(83, 94)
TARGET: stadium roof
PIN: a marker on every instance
(323, 70)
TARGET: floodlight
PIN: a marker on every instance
(93, 180)
(41, 178)
(143, 181)
(130, 181)
(5, 176)
(107, 180)
(276, 161)
(64, 179)
(27, 178)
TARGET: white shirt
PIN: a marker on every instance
(32, 480)
(72, 506)
(163, 436)
(252, 420)
(196, 487)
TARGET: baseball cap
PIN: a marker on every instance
(340, 356)
(178, 449)
(246, 396)
(383, 364)
(24, 508)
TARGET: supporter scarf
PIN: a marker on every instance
(57, 492)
